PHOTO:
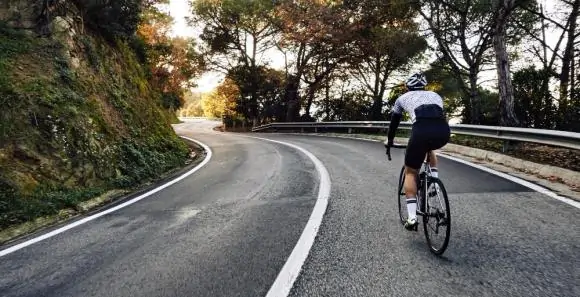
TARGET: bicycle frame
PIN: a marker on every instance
(426, 208)
(422, 183)
(422, 178)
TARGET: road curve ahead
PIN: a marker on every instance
(228, 229)
(506, 240)
(225, 230)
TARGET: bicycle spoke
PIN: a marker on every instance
(402, 201)
(437, 224)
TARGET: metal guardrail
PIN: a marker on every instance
(542, 136)
(193, 118)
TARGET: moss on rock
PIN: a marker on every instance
(69, 133)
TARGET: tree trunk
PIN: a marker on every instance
(474, 115)
(547, 116)
(506, 92)
(309, 101)
(292, 99)
(376, 109)
(327, 100)
(573, 80)
(567, 61)
(310, 97)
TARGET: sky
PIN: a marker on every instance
(180, 9)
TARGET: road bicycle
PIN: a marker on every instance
(435, 212)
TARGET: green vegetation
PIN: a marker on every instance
(538, 153)
(89, 91)
(44, 201)
(75, 122)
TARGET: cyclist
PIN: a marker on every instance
(430, 131)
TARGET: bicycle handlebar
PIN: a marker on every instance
(395, 145)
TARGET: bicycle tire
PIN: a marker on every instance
(403, 214)
(427, 230)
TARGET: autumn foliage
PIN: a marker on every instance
(360, 51)
(172, 61)
(222, 101)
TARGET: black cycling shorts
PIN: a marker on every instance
(427, 134)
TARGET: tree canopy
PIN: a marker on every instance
(348, 59)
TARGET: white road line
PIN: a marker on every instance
(291, 269)
(110, 210)
(516, 180)
(511, 178)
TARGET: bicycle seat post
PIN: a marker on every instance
(427, 163)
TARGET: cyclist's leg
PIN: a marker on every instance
(410, 184)
(413, 159)
(433, 164)
(439, 137)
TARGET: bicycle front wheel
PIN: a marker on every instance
(403, 214)
(437, 218)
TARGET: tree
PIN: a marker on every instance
(490, 114)
(319, 36)
(192, 105)
(445, 83)
(504, 10)
(461, 31)
(172, 62)
(173, 73)
(387, 49)
(567, 60)
(562, 52)
(113, 18)
(222, 101)
(530, 92)
(154, 32)
(464, 32)
(236, 33)
(349, 105)
(267, 85)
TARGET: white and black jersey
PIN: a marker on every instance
(411, 100)
(430, 130)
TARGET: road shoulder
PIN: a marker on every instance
(110, 198)
(563, 182)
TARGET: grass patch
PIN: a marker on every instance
(142, 162)
(91, 52)
(489, 144)
(45, 201)
(537, 153)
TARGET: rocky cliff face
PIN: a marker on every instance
(78, 115)
(57, 19)
(22, 14)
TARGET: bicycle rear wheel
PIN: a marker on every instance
(403, 214)
(437, 218)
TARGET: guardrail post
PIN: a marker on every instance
(506, 146)
(315, 130)
(301, 130)
(349, 130)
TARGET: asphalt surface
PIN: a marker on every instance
(227, 230)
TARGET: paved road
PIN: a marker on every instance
(228, 229)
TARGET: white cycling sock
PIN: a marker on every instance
(412, 207)
(434, 172)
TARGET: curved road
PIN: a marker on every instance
(228, 229)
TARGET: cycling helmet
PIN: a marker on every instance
(417, 81)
